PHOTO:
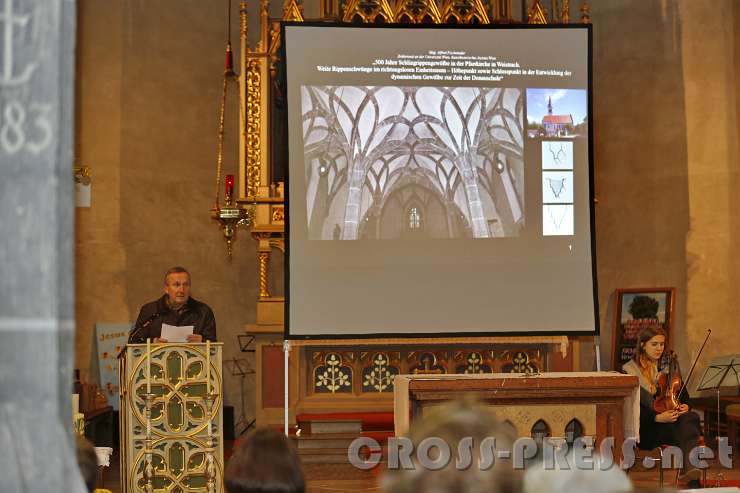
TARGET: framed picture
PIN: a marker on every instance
(637, 308)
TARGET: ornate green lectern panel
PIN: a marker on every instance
(185, 407)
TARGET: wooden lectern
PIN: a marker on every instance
(171, 417)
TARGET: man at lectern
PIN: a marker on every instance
(175, 308)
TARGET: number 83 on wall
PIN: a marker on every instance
(25, 128)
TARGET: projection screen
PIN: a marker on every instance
(438, 181)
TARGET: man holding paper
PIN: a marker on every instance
(175, 317)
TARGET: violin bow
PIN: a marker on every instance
(696, 360)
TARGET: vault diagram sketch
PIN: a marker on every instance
(557, 154)
(557, 187)
(427, 162)
(557, 219)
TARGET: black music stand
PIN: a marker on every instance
(245, 340)
(240, 368)
(722, 371)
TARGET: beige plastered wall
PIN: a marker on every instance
(665, 101)
(148, 86)
(710, 65)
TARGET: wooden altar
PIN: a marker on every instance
(358, 376)
(605, 404)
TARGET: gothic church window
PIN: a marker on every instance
(414, 218)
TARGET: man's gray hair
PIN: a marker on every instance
(175, 270)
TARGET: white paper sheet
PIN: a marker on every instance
(172, 333)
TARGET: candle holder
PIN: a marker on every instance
(229, 192)
(230, 217)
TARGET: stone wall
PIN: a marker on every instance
(666, 162)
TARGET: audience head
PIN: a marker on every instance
(574, 479)
(452, 423)
(87, 461)
(267, 462)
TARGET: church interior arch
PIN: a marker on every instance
(463, 145)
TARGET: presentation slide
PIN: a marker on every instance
(438, 181)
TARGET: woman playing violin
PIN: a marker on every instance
(673, 426)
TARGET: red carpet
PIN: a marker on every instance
(368, 419)
(715, 483)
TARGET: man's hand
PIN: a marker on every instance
(667, 416)
(195, 338)
(683, 409)
(159, 340)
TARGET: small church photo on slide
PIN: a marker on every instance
(413, 162)
(557, 113)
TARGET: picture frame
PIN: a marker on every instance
(635, 309)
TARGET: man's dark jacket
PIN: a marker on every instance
(154, 314)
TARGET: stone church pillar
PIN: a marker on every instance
(36, 246)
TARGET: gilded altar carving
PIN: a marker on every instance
(292, 12)
(428, 363)
(474, 362)
(368, 11)
(378, 368)
(264, 257)
(565, 12)
(278, 215)
(537, 14)
(332, 376)
(277, 243)
(521, 362)
(465, 12)
(253, 140)
(415, 12)
(379, 376)
(424, 11)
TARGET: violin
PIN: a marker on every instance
(670, 386)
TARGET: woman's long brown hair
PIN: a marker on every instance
(644, 336)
